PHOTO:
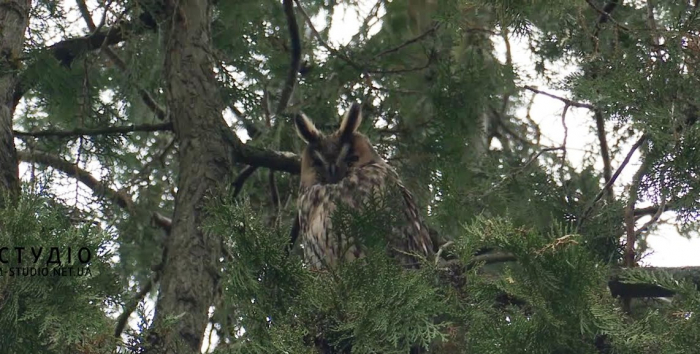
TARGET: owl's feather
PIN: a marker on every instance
(343, 169)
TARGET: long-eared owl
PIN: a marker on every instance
(343, 168)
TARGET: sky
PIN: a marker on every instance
(669, 248)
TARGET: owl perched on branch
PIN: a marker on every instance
(342, 171)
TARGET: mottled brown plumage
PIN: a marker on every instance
(344, 168)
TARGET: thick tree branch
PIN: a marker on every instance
(100, 131)
(625, 289)
(250, 155)
(618, 285)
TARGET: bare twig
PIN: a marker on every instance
(70, 169)
(99, 131)
(134, 303)
(242, 177)
(565, 100)
(606, 16)
(295, 59)
(607, 186)
(148, 100)
(652, 221)
(605, 153)
(519, 170)
(323, 42)
(566, 131)
(420, 37)
(630, 255)
(400, 71)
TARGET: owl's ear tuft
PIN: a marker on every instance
(306, 128)
(351, 121)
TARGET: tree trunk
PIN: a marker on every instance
(14, 19)
(190, 273)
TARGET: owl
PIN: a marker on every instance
(342, 171)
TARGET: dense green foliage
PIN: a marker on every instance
(441, 107)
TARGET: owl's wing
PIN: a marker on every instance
(294, 234)
(420, 238)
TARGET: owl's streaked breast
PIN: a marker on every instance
(323, 246)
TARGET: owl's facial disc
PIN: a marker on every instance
(332, 164)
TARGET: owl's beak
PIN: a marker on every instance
(333, 174)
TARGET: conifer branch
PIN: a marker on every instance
(519, 170)
(98, 187)
(99, 131)
(618, 286)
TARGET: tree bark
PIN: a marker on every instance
(191, 272)
(14, 19)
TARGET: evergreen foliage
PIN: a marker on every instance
(439, 104)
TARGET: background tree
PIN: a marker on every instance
(143, 104)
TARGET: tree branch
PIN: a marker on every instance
(99, 131)
(607, 186)
(425, 34)
(565, 100)
(630, 254)
(250, 155)
(99, 189)
(67, 50)
(618, 286)
(605, 15)
(621, 288)
(604, 152)
(133, 304)
(148, 100)
(322, 42)
(242, 177)
(295, 59)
